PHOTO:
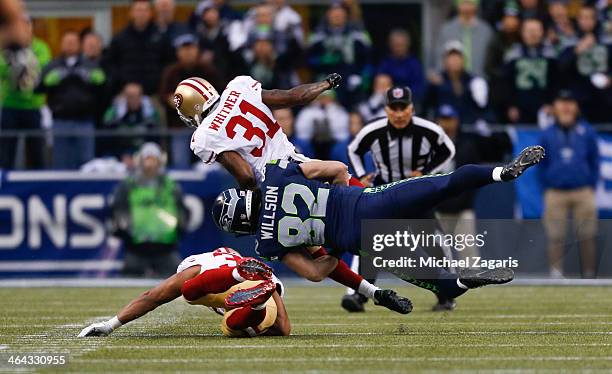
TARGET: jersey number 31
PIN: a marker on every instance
(251, 130)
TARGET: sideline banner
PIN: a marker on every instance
(55, 222)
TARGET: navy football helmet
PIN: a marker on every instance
(236, 211)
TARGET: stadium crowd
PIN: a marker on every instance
(497, 61)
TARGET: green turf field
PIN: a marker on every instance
(515, 329)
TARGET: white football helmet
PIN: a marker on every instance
(194, 98)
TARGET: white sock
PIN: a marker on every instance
(114, 323)
(367, 289)
(237, 276)
(461, 285)
(497, 174)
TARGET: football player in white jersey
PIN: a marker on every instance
(243, 290)
(237, 128)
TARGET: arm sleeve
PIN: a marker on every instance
(357, 150)
(443, 149)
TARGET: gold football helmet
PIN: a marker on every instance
(194, 98)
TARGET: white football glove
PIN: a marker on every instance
(96, 329)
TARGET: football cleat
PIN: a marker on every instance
(526, 159)
(474, 278)
(254, 270)
(255, 295)
(390, 300)
(354, 303)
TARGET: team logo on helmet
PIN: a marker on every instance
(178, 100)
(398, 93)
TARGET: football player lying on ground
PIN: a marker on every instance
(331, 215)
(238, 130)
(243, 290)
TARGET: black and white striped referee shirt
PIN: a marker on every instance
(421, 146)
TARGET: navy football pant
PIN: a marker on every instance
(412, 198)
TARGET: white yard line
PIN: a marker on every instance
(347, 346)
(349, 359)
(410, 323)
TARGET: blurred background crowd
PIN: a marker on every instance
(491, 62)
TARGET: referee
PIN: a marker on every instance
(402, 146)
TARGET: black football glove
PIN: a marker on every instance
(334, 80)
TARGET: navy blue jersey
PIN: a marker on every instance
(298, 212)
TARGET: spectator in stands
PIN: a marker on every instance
(287, 22)
(456, 87)
(403, 68)
(474, 33)
(339, 47)
(457, 216)
(560, 30)
(286, 120)
(165, 19)
(605, 18)
(508, 34)
(214, 43)
(355, 14)
(73, 86)
(374, 106)
(323, 123)
(271, 70)
(149, 216)
(20, 68)
(139, 52)
(226, 12)
(533, 9)
(261, 23)
(531, 75)
(134, 115)
(92, 46)
(587, 68)
(569, 175)
(188, 65)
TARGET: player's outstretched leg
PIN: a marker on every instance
(249, 296)
(391, 300)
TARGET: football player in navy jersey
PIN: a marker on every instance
(302, 206)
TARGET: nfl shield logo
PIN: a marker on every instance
(398, 93)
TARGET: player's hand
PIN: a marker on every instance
(416, 173)
(334, 80)
(96, 329)
(368, 179)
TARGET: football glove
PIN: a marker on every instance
(334, 80)
(96, 329)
